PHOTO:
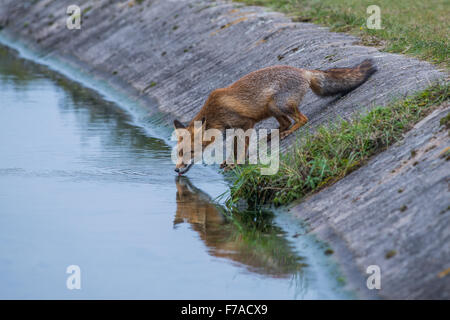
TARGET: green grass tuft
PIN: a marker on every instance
(86, 10)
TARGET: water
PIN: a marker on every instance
(83, 183)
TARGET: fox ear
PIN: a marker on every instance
(178, 125)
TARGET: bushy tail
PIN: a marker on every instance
(340, 80)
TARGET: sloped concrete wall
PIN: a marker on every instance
(395, 213)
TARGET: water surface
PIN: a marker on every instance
(82, 182)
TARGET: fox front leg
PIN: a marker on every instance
(230, 162)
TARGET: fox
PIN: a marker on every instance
(275, 91)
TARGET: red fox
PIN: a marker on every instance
(275, 91)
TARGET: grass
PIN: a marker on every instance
(414, 27)
(86, 10)
(321, 158)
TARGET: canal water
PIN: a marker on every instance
(87, 182)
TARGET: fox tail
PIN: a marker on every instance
(340, 80)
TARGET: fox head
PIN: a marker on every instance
(185, 138)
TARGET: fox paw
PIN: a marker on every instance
(284, 135)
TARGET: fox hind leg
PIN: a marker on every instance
(284, 122)
(299, 119)
(284, 106)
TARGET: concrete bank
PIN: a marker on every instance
(171, 54)
(394, 213)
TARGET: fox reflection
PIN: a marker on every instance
(225, 240)
(196, 208)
